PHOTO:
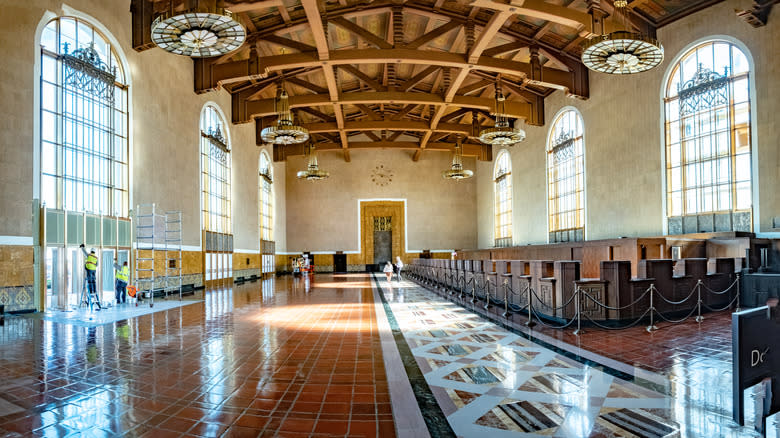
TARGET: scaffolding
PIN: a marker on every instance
(147, 236)
(173, 258)
(158, 261)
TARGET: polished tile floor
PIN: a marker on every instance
(294, 357)
(278, 359)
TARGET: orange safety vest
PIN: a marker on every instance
(91, 263)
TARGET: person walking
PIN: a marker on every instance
(398, 266)
(120, 285)
(388, 270)
(90, 267)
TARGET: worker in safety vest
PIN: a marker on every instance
(90, 266)
(122, 277)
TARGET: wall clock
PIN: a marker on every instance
(381, 175)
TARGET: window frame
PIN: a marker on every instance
(675, 179)
(266, 197)
(219, 220)
(572, 221)
(86, 152)
(502, 195)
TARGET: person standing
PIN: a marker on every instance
(388, 270)
(120, 285)
(90, 266)
(398, 266)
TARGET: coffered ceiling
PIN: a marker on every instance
(413, 75)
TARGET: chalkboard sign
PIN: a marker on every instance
(755, 339)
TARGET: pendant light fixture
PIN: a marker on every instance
(284, 131)
(457, 172)
(204, 31)
(501, 134)
(313, 172)
(622, 52)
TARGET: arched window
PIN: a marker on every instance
(266, 198)
(215, 167)
(502, 176)
(708, 152)
(565, 179)
(84, 120)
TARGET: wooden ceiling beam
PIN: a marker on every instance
(432, 35)
(468, 149)
(306, 84)
(505, 48)
(490, 30)
(475, 86)
(316, 113)
(386, 125)
(209, 74)
(580, 21)
(372, 136)
(361, 32)
(416, 79)
(373, 115)
(237, 7)
(404, 111)
(292, 44)
(366, 79)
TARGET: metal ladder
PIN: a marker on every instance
(88, 299)
(145, 264)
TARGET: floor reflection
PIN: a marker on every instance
(225, 364)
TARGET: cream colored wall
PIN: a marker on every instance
(623, 161)
(323, 215)
(164, 131)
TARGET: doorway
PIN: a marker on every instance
(340, 263)
(383, 241)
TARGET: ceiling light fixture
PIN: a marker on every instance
(200, 33)
(284, 131)
(313, 172)
(501, 134)
(457, 172)
(622, 52)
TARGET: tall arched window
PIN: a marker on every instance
(708, 152)
(566, 178)
(84, 122)
(266, 198)
(502, 176)
(215, 167)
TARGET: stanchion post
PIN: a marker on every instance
(699, 318)
(530, 322)
(473, 290)
(506, 300)
(737, 309)
(577, 306)
(652, 326)
(487, 295)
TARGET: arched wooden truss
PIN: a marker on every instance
(398, 74)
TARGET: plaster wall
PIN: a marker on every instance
(624, 169)
(165, 135)
(323, 215)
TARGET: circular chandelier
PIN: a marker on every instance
(501, 134)
(622, 52)
(284, 131)
(457, 172)
(313, 172)
(198, 34)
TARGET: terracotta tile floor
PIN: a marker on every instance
(279, 358)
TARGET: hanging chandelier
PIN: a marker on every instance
(313, 172)
(201, 33)
(622, 52)
(457, 172)
(501, 134)
(284, 131)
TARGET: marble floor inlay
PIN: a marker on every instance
(491, 382)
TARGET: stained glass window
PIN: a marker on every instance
(84, 120)
(502, 176)
(565, 178)
(707, 124)
(215, 167)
